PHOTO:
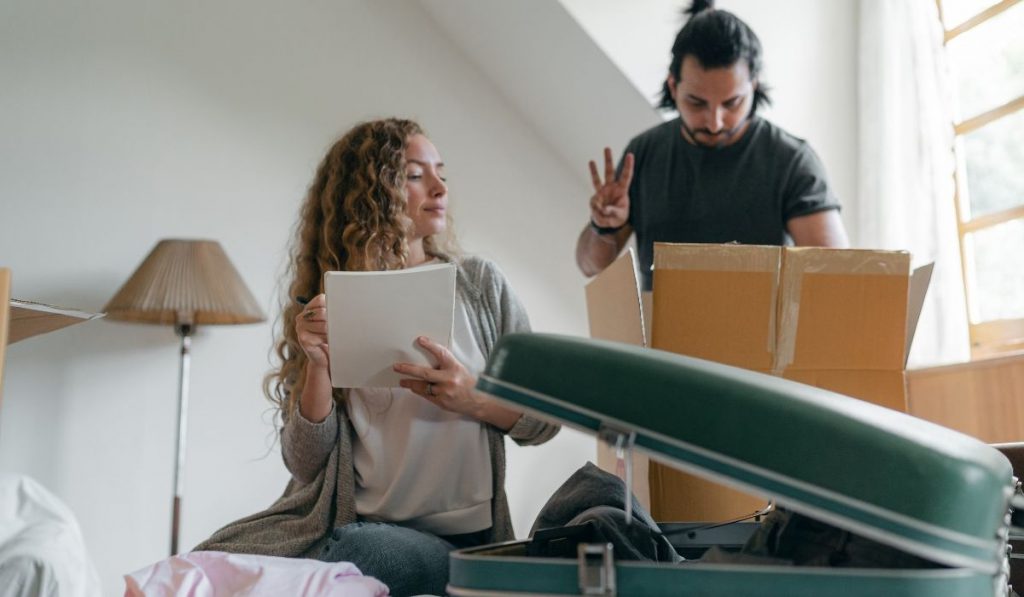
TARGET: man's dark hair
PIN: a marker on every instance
(717, 39)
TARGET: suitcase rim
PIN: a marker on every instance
(464, 561)
(987, 555)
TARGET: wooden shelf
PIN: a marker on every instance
(982, 398)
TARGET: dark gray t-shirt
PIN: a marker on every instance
(744, 192)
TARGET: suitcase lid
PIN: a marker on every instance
(877, 472)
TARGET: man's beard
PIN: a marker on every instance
(719, 138)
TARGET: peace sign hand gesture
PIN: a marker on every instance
(609, 206)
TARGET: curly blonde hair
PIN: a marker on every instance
(353, 219)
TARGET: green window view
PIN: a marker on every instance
(986, 57)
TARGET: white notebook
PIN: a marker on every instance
(374, 318)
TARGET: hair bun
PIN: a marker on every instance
(699, 6)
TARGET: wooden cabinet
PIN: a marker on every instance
(982, 398)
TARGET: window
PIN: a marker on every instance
(985, 48)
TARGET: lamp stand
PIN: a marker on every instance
(184, 331)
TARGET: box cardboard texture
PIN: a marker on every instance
(838, 319)
(615, 312)
(23, 319)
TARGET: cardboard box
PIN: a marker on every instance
(834, 318)
(32, 319)
(23, 319)
(615, 312)
(838, 319)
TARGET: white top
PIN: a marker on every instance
(41, 544)
(417, 464)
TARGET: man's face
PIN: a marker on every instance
(713, 103)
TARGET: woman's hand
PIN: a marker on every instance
(452, 387)
(311, 331)
(449, 385)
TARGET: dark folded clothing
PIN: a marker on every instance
(594, 497)
(789, 538)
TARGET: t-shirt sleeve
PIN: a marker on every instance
(807, 190)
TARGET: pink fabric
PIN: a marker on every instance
(215, 574)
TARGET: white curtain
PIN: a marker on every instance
(906, 162)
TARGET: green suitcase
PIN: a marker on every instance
(923, 489)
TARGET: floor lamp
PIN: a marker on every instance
(184, 283)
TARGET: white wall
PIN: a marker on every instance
(122, 123)
(810, 62)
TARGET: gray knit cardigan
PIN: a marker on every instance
(321, 494)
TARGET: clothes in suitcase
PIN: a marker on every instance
(935, 494)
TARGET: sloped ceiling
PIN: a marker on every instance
(551, 71)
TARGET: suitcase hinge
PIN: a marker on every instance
(1016, 516)
(596, 569)
(622, 440)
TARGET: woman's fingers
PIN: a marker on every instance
(427, 389)
(325, 351)
(314, 327)
(317, 350)
(315, 309)
(420, 373)
(312, 314)
(447, 370)
(311, 329)
(317, 301)
(442, 355)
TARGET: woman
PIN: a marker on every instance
(390, 479)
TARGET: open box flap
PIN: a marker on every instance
(899, 480)
(614, 307)
(32, 319)
(919, 281)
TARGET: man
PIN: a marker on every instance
(718, 173)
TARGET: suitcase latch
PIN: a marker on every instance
(596, 568)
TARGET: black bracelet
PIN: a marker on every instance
(605, 230)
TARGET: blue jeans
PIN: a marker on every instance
(408, 561)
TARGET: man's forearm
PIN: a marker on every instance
(820, 229)
(594, 251)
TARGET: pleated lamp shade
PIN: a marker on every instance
(185, 282)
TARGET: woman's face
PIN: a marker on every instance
(425, 188)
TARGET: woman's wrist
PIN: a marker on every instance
(317, 392)
(494, 413)
(317, 374)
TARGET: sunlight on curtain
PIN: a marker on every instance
(906, 162)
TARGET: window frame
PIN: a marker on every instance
(992, 337)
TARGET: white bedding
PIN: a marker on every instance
(42, 553)
(219, 574)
